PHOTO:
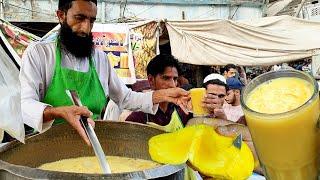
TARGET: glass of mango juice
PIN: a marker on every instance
(197, 95)
(282, 110)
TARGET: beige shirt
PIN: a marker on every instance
(36, 73)
(233, 113)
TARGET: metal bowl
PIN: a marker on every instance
(19, 161)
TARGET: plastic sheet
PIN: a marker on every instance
(10, 106)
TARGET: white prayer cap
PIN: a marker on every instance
(215, 76)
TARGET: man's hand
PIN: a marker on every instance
(214, 104)
(219, 113)
(72, 115)
(177, 96)
(211, 102)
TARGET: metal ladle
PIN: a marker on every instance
(91, 134)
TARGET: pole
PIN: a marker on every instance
(299, 8)
(103, 12)
(1, 9)
(33, 4)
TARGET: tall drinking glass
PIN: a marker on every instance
(197, 95)
(287, 143)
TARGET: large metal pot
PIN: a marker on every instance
(19, 161)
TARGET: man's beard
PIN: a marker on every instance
(75, 44)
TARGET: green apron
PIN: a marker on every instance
(87, 85)
(174, 125)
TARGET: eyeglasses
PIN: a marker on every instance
(219, 95)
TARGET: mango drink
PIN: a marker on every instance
(197, 95)
(282, 115)
(124, 60)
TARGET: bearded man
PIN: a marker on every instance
(70, 62)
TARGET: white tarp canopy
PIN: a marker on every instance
(264, 41)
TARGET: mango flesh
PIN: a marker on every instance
(172, 148)
(208, 152)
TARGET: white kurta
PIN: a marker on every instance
(37, 70)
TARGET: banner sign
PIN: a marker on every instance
(144, 44)
(16, 39)
(113, 39)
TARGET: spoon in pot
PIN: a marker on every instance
(91, 134)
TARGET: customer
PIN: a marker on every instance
(163, 72)
(216, 88)
(233, 108)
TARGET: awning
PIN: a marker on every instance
(264, 41)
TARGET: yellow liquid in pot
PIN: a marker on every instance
(91, 165)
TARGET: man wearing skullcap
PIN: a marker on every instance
(216, 89)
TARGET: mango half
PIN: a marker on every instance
(172, 148)
(208, 152)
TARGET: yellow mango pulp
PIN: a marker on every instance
(172, 148)
(208, 152)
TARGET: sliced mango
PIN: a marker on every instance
(208, 152)
(172, 148)
(241, 162)
(205, 150)
(215, 156)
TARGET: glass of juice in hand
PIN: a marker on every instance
(282, 110)
(197, 95)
